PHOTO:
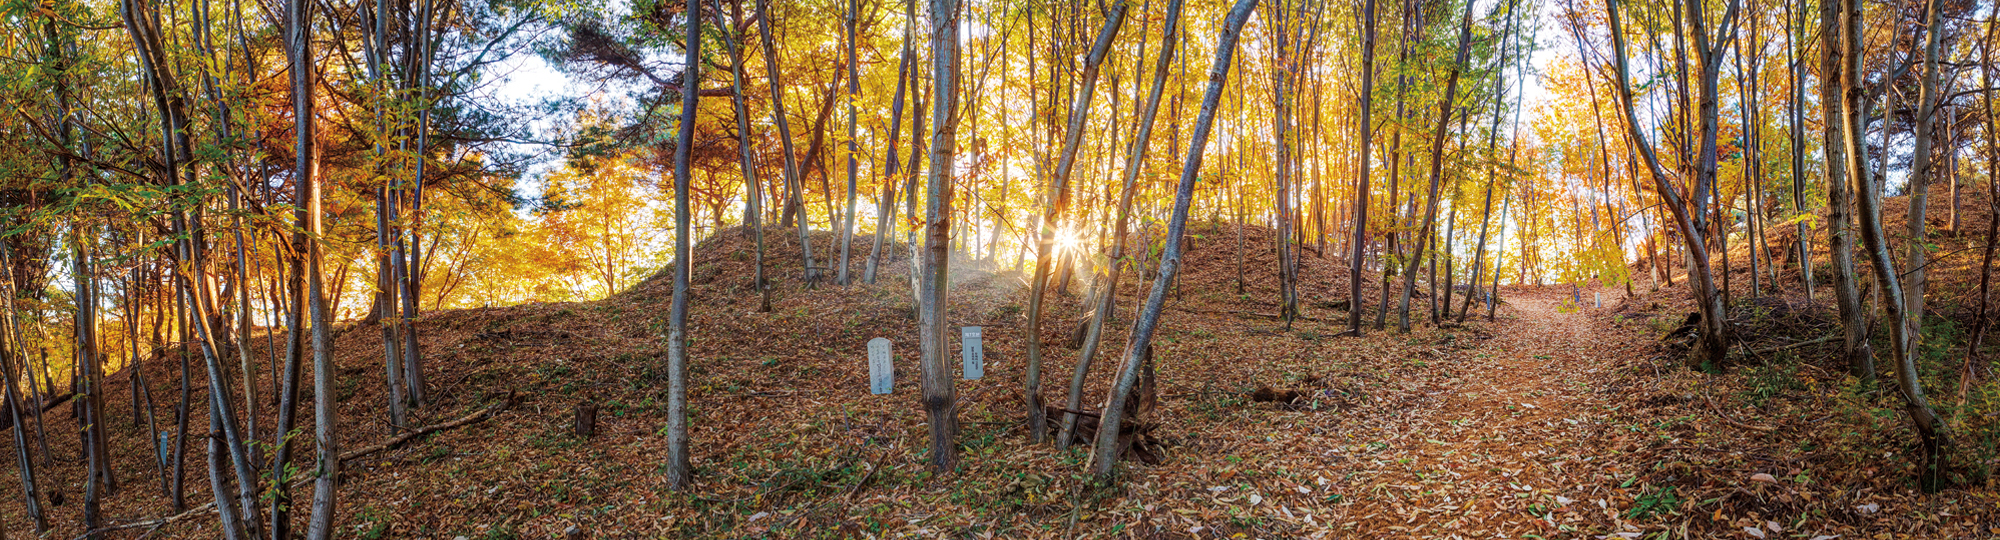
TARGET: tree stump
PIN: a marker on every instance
(586, 420)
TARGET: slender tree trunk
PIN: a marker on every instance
(1746, 85)
(853, 156)
(1794, 57)
(1058, 203)
(753, 211)
(1923, 172)
(1365, 134)
(885, 222)
(1437, 170)
(1492, 175)
(30, 494)
(940, 398)
(298, 40)
(1135, 160)
(1868, 204)
(791, 170)
(679, 472)
(1711, 344)
(89, 423)
(1392, 251)
(1104, 454)
(1840, 198)
(1284, 31)
(385, 312)
(416, 82)
(1493, 294)
(182, 412)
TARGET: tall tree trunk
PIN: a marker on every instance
(298, 41)
(753, 211)
(1437, 170)
(1746, 85)
(30, 494)
(375, 45)
(1923, 171)
(1135, 160)
(385, 312)
(142, 24)
(791, 170)
(1392, 251)
(679, 472)
(1365, 134)
(295, 350)
(1104, 453)
(853, 159)
(1840, 198)
(1285, 32)
(940, 398)
(1058, 203)
(1868, 200)
(885, 220)
(411, 265)
(1492, 174)
(1794, 30)
(89, 423)
(1711, 344)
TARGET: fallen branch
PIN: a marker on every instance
(1732, 421)
(1824, 339)
(1242, 313)
(426, 430)
(7, 422)
(153, 523)
(391, 443)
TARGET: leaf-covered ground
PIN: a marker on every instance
(1551, 422)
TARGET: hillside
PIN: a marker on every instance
(1548, 421)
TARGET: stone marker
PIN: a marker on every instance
(1598, 298)
(973, 352)
(881, 366)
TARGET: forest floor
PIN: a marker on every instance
(1552, 421)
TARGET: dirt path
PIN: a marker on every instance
(1506, 445)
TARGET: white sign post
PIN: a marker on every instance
(881, 366)
(974, 354)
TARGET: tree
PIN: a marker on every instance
(1104, 453)
(853, 157)
(940, 398)
(753, 210)
(305, 174)
(1840, 205)
(1445, 108)
(1058, 202)
(1492, 145)
(1711, 344)
(1364, 132)
(1986, 67)
(678, 471)
(1135, 160)
(1796, 107)
(1868, 203)
(1285, 32)
(189, 253)
(793, 184)
(30, 496)
(885, 221)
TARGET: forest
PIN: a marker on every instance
(498, 269)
